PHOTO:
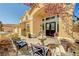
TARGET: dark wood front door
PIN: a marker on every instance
(50, 28)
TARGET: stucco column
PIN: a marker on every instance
(44, 27)
(56, 23)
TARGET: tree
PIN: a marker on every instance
(1, 25)
(54, 9)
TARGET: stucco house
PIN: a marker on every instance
(51, 24)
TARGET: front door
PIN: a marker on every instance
(50, 28)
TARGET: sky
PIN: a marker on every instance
(76, 10)
(10, 13)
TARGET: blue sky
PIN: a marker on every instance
(10, 13)
(76, 10)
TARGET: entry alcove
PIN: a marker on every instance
(50, 25)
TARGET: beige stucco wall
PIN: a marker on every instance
(36, 26)
(31, 26)
(62, 28)
(36, 21)
(66, 24)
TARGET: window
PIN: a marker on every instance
(42, 19)
(53, 17)
(48, 18)
(28, 27)
(52, 26)
(42, 26)
(47, 26)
